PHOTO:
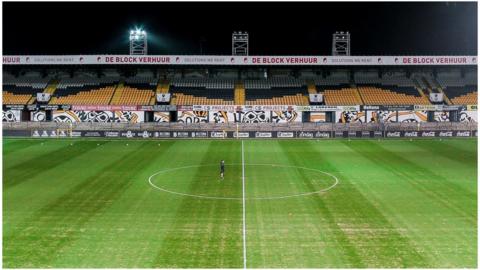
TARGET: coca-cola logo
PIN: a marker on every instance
(411, 134)
(393, 134)
(463, 134)
(445, 134)
(428, 134)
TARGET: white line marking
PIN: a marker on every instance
(243, 204)
(239, 198)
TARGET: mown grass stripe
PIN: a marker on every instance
(58, 223)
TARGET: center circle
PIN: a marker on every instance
(264, 181)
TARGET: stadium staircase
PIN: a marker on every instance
(51, 87)
(163, 87)
(427, 85)
(239, 95)
(420, 91)
(357, 94)
(117, 94)
(312, 89)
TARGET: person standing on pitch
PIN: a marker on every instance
(222, 168)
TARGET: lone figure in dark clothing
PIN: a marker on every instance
(222, 168)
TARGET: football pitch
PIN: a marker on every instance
(72, 203)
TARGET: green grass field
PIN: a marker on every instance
(394, 203)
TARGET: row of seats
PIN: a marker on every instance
(134, 96)
(274, 82)
(99, 96)
(469, 98)
(225, 94)
(378, 96)
(11, 98)
(297, 99)
(182, 99)
(343, 96)
(275, 92)
(205, 83)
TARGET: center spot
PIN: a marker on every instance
(263, 181)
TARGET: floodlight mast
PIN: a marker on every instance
(239, 43)
(138, 42)
(341, 43)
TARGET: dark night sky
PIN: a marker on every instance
(275, 28)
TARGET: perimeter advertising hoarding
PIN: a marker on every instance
(226, 60)
(42, 133)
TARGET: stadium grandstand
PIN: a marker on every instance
(380, 92)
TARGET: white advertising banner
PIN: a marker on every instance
(245, 108)
(236, 60)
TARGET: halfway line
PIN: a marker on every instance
(243, 205)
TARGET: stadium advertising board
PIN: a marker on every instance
(13, 107)
(440, 107)
(162, 134)
(286, 108)
(241, 134)
(305, 134)
(237, 60)
(365, 134)
(393, 134)
(112, 134)
(157, 108)
(145, 134)
(180, 134)
(199, 134)
(263, 134)
(386, 107)
(11, 115)
(98, 116)
(283, 134)
(410, 134)
(103, 108)
(461, 133)
(218, 134)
